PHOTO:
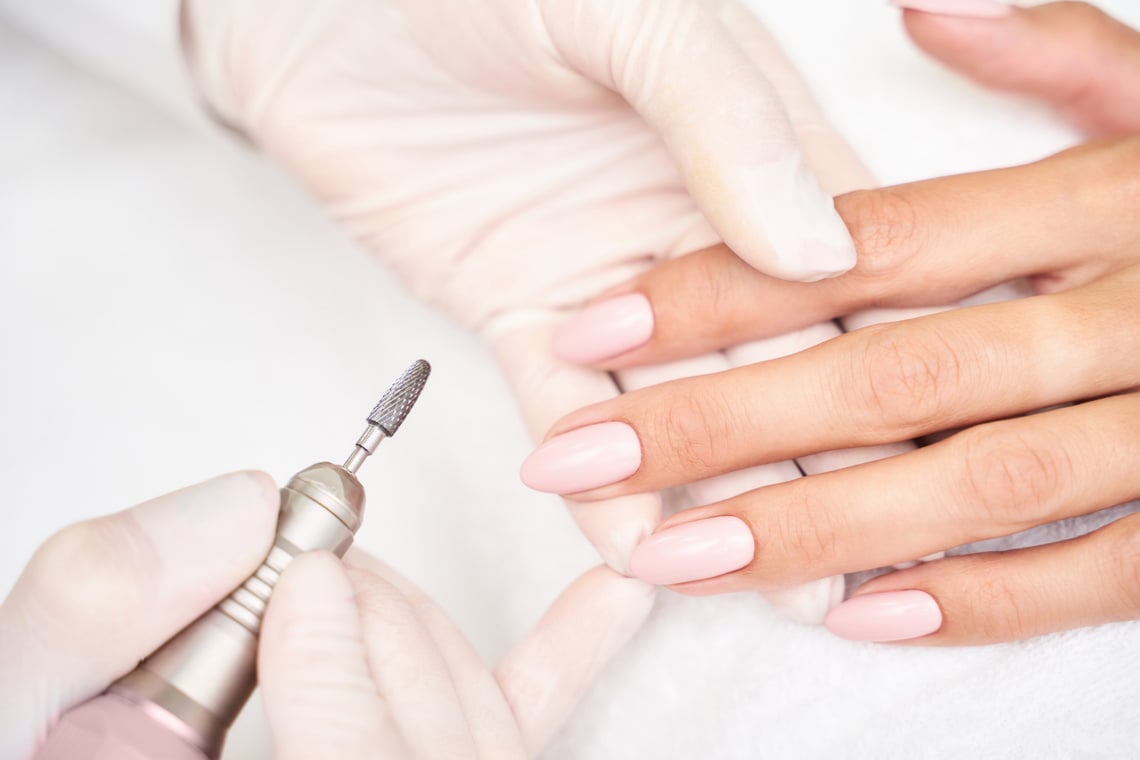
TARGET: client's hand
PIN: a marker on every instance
(1069, 223)
(512, 159)
(354, 663)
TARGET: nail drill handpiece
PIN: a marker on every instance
(179, 702)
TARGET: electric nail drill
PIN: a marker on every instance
(179, 702)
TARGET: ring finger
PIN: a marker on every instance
(991, 480)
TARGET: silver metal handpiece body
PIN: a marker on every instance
(205, 674)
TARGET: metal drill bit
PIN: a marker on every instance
(389, 413)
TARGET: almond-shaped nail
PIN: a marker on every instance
(605, 329)
(694, 551)
(970, 8)
(582, 459)
(886, 616)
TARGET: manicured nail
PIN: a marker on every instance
(886, 616)
(971, 8)
(605, 330)
(589, 457)
(694, 551)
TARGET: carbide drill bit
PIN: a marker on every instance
(389, 413)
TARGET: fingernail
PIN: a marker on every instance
(971, 8)
(605, 329)
(694, 551)
(887, 616)
(589, 457)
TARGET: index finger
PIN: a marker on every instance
(1067, 217)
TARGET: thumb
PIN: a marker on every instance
(100, 595)
(548, 672)
(1073, 56)
(680, 68)
(319, 695)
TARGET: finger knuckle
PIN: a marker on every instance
(376, 597)
(1114, 165)
(1119, 177)
(690, 430)
(711, 278)
(85, 565)
(1009, 478)
(315, 643)
(710, 274)
(902, 378)
(884, 225)
(998, 610)
(807, 528)
(1081, 13)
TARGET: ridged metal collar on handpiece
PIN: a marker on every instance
(335, 489)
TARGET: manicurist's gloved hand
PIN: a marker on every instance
(512, 159)
(1068, 222)
(354, 662)
(101, 595)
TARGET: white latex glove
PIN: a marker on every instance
(351, 665)
(100, 595)
(513, 158)
(356, 662)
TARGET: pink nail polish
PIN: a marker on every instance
(694, 551)
(971, 8)
(589, 457)
(886, 616)
(605, 329)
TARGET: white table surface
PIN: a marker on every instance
(173, 307)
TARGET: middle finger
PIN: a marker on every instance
(876, 385)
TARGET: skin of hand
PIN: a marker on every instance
(513, 159)
(1067, 224)
(354, 661)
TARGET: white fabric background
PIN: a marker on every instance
(172, 307)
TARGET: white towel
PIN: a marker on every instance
(726, 678)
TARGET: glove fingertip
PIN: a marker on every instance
(780, 221)
(314, 584)
(809, 603)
